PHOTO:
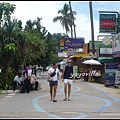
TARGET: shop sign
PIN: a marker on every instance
(73, 43)
(61, 43)
(62, 54)
(107, 23)
(116, 43)
(105, 50)
(110, 71)
(85, 48)
(117, 78)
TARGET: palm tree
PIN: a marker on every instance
(65, 18)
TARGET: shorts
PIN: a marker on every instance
(53, 83)
(69, 81)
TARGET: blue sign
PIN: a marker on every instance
(111, 65)
(73, 43)
(110, 70)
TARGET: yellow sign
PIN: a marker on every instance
(61, 43)
(85, 48)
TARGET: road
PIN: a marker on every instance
(88, 100)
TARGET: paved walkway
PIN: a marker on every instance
(88, 100)
(110, 89)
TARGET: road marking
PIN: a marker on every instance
(110, 114)
(8, 96)
(36, 105)
(12, 94)
(114, 98)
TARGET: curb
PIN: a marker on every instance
(9, 91)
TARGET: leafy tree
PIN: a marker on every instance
(57, 37)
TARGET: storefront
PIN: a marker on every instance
(103, 61)
(116, 55)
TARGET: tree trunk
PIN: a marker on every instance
(74, 30)
(71, 20)
(71, 31)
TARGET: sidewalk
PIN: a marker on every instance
(115, 92)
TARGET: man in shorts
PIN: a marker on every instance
(68, 78)
(53, 81)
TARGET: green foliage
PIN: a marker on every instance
(6, 83)
(10, 47)
(2, 81)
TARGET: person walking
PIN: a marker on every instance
(53, 75)
(68, 78)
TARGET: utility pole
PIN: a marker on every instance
(72, 20)
(92, 28)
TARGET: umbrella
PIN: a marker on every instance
(92, 62)
(62, 63)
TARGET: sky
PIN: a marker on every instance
(30, 10)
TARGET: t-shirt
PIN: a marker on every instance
(18, 79)
(28, 71)
(51, 70)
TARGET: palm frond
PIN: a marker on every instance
(57, 18)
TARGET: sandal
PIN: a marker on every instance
(51, 99)
(64, 99)
(69, 99)
(54, 100)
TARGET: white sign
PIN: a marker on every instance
(79, 50)
(116, 43)
(105, 50)
(117, 79)
(62, 54)
(106, 41)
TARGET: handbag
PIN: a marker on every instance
(48, 80)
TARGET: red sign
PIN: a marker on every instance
(107, 24)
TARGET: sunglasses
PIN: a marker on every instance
(68, 62)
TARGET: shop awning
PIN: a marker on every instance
(105, 60)
(80, 55)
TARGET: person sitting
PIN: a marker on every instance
(17, 81)
(34, 82)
